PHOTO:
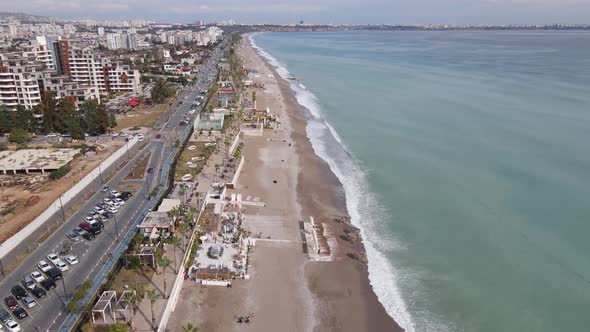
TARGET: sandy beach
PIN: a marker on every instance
(287, 291)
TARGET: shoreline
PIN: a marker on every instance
(340, 287)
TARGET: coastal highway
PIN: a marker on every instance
(49, 313)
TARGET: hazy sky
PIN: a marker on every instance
(315, 11)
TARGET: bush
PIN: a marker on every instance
(19, 136)
(72, 306)
(60, 172)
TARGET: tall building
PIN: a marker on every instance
(114, 41)
(18, 81)
(132, 41)
(100, 31)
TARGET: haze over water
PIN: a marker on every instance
(474, 149)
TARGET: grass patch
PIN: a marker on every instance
(201, 151)
(132, 279)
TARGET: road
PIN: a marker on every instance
(49, 313)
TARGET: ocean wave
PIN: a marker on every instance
(363, 206)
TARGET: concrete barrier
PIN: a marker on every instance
(56, 206)
(234, 145)
(234, 181)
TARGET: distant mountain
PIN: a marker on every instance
(26, 17)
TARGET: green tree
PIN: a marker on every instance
(6, 120)
(72, 306)
(184, 228)
(18, 135)
(153, 296)
(164, 262)
(189, 328)
(174, 242)
(183, 191)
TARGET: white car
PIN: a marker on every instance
(53, 258)
(119, 201)
(139, 137)
(112, 209)
(71, 259)
(115, 193)
(107, 200)
(51, 135)
(43, 266)
(89, 219)
(61, 265)
(114, 204)
(98, 210)
(115, 134)
(37, 276)
(12, 326)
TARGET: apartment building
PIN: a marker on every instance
(63, 87)
(85, 65)
(19, 81)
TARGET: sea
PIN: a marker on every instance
(465, 159)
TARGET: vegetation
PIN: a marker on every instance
(59, 173)
(164, 262)
(189, 328)
(58, 116)
(153, 295)
(192, 254)
(18, 136)
(79, 294)
(160, 92)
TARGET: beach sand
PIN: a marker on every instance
(287, 291)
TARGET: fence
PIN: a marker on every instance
(175, 293)
(234, 145)
(238, 171)
(56, 206)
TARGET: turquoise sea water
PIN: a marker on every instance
(465, 158)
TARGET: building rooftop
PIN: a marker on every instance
(35, 159)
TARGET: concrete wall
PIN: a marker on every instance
(55, 207)
(238, 171)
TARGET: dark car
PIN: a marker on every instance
(90, 228)
(48, 284)
(11, 302)
(158, 136)
(150, 170)
(38, 292)
(18, 292)
(5, 315)
(89, 236)
(126, 195)
(54, 273)
(108, 214)
(20, 313)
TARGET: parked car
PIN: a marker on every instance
(29, 301)
(115, 193)
(102, 219)
(119, 201)
(126, 195)
(10, 302)
(139, 137)
(5, 315)
(89, 219)
(18, 292)
(112, 209)
(79, 231)
(96, 223)
(54, 273)
(48, 284)
(12, 326)
(89, 236)
(74, 236)
(71, 259)
(150, 170)
(37, 276)
(43, 266)
(61, 265)
(102, 205)
(28, 282)
(108, 214)
(38, 292)
(107, 200)
(20, 313)
(53, 258)
(94, 230)
(105, 189)
(98, 210)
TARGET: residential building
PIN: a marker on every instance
(100, 31)
(18, 81)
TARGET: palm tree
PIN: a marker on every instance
(153, 296)
(174, 241)
(184, 228)
(183, 190)
(174, 214)
(164, 262)
(189, 328)
(216, 169)
(133, 299)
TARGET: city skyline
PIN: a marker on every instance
(321, 12)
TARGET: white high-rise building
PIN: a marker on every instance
(114, 41)
(100, 31)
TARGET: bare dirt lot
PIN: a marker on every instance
(22, 203)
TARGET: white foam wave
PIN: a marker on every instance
(362, 205)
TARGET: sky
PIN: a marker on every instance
(316, 11)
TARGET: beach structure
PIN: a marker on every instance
(35, 160)
(156, 224)
(207, 121)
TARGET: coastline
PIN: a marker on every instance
(344, 298)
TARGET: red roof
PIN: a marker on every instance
(133, 102)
